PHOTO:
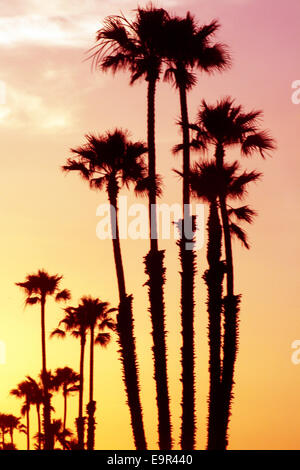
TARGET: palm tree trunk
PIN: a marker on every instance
(126, 339)
(65, 417)
(65, 411)
(91, 407)
(80, 419)
(28, 429)
(188, 266)
(214, 278)
(47, 412)
(231, 309)
(156, 272)
(39, 424)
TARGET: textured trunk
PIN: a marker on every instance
(214, 278)
(154, 268)
(188, 262)
(91, 407)
(231, 309)
(65, 416)
(38, 411)
(126, 339)
(46, 410)
(80, 419)
(28, 426)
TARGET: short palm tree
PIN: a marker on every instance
(3, 427)
(98, 315)
(59, 435)
(67, 380)
(24, 391)
(137, 46)
(13, 423)
(189, 47)
(38, 287)
(76, 323)
(109, 162)
(207, 182)
(225, 125)
(37, 400)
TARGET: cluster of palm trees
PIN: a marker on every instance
(155, 45)
(91, 316)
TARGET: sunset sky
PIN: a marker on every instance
(49, 219)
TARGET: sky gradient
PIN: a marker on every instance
(49, 219)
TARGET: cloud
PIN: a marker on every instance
(25, 110)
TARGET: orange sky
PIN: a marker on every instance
(49, 220)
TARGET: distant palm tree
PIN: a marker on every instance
(60, 435)
(38, 287)
(98, 315)
(109, 162)
(67, 380)
(37, 400)
(13, 423)
(207, 182)
(225, 125)
(137, 46)
(24, 390)
(3, 427)
(188, 47)
(76, 323)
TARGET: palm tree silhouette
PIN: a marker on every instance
(13, 423)
(111, 161)
(67, 380)
(98, 316)
(225, 125)
(137, 46)
(24, 391)
(76, 323)
(207, 182)
(37, 400)
(59, 435)
(3, 427)
(189, 47)
(38, 287)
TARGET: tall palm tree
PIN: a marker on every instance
(188, 47)
(24, 391)
(76, 323)
(111, 161)
(137, 46)
(67, 380)
(37, 400)
(98, 315)
(225, 125)
(38, 287)
(207, 182)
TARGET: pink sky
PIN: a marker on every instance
(49, 220)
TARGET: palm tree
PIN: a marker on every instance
(225, 125)
(66, 379)
(60, 435)
(189, 47)
(12, 423)
(37, 400)
(98, 315)
(207, 181)
(137, 47)
(38, 287)
(76, 323)
(3, 427)
(24, 390)
(110, 161)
